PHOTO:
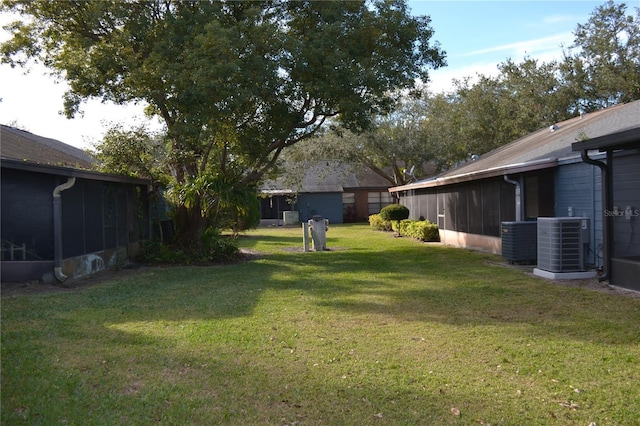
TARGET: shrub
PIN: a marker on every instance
(214, 248)
(376, 221)
(423, 230)
(217, 246)
(395, 212)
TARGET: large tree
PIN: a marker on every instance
(394, 147)
(602, 67)
(235, 83)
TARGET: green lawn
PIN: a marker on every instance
(379, 330)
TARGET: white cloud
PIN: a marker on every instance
(559, 19)
(528, 47)
(544, 49)
(33, 102)
(441, 79)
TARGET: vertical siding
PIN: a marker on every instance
(100, 216)
(626, 192)
(328, 204)
(413, 202)
(421, 204)
(579, 186)
(475, 207)
(27, 211)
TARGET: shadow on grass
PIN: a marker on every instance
(132, 349)
(418, 284)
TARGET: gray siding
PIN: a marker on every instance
(473, 207)
(579, 187)
(326, 204)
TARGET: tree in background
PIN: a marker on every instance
(602, 67)
(235, 83)
(134, 152)
(393, 147)
(602, 70)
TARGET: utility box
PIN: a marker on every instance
(563, 244)
(520, 241)
(319, 226)
(290, 218)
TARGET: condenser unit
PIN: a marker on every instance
(519, 241)
(563, 244)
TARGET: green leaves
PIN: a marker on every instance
(235, 82)
(603, 67)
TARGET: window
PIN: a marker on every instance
(349, 207)
(348, 202)
(378, 200)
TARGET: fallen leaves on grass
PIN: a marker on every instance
(570, 405)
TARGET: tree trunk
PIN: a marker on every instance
(190, 225)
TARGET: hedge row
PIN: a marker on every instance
(377, 222)
(423, 230)
(420, 229)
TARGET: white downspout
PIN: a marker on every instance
(518, 197)
(57, 226)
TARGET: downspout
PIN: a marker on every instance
(607, 202)
(57, 227)
(518, 197)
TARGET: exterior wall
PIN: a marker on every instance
(27, 213)
(579, 193)
(98, 219)
(626, 193)
(421, 204)
(472, 241)
(468, 214)
(474, 207)
(272, 207)
(99, 216)
(326, 204)
(362, 204)
(89, 264)
(26, 271)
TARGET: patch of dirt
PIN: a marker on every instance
(39, 287)
(301, 249)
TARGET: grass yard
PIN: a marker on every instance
(379, 330)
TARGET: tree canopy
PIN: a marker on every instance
(393, 148)
(234, 82)
(483, 112)
(602, 67)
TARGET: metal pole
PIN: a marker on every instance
(305, 236)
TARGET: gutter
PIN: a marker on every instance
(607, 202)
(57, 226)
(518, 197)
(543, 163)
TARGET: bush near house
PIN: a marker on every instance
(423, 230)
(394, 212)
(377, 222)
(214, 248)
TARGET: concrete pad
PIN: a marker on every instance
(564, 275)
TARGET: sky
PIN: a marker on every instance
(477, 36)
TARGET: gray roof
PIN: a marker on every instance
(626, 139)
(16, 144)
(324, 176)
(23, 150)
(540, 149)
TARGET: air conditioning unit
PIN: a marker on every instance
(519, 241)
(563, 244)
